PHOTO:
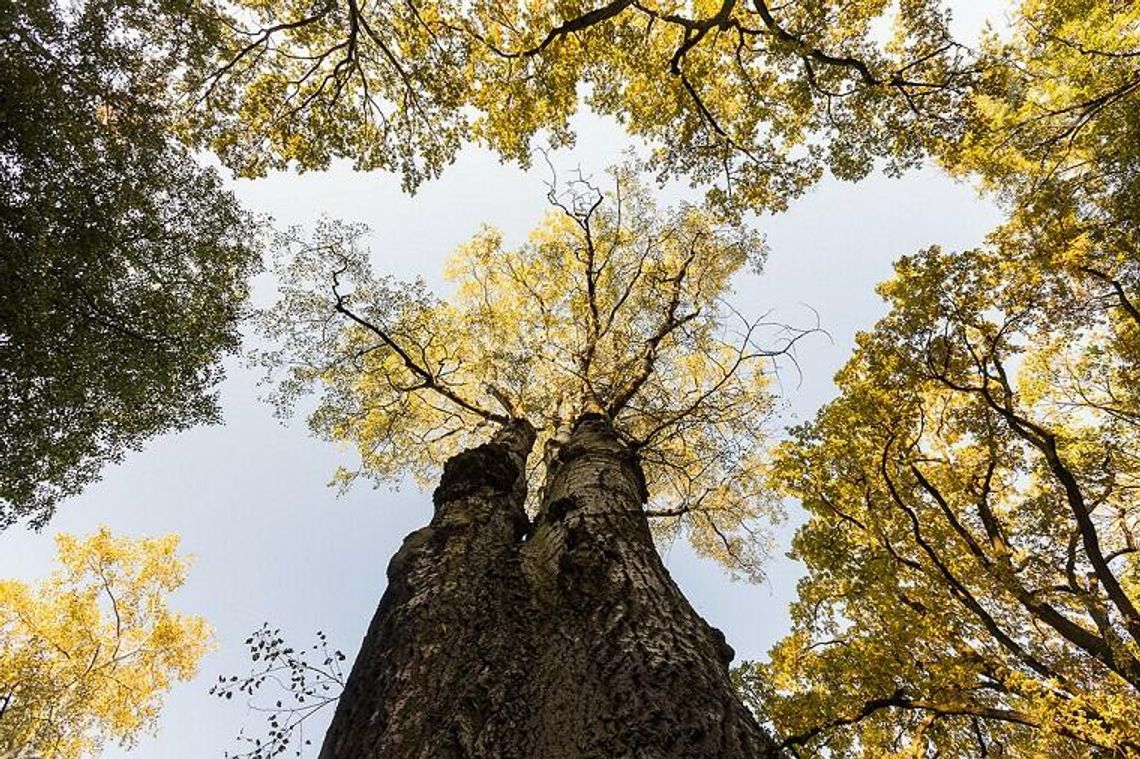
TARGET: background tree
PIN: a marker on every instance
(606, 339)
(122, 262)
(1051, 131)
(973, 584)
(87, 655)
(754, 97)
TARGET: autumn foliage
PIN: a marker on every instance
(86, 655)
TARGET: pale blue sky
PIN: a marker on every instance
(272, 542)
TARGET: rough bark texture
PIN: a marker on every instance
(567, 638)
(438, 670)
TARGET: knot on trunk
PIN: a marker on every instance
(556, 510)
(487, 466)
(725, 651)
(586, 566)
(412, 546)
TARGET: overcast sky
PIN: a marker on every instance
(249, 497)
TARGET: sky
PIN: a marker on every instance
(271, 542)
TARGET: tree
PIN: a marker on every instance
(755, 97)
(611, 305)
(973, 583)
(607, 339)
(970, 545)
(87, 655)
(122, 262)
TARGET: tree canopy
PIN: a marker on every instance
(612, 304)
(87, 655)
(123, 263)
(973, 585)
(751, 98)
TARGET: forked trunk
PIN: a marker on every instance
(565, 640)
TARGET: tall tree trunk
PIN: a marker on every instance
(630, 669)
(437, 674)
(567, 640)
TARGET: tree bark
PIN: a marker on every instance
(565, 638)
(437, 674)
